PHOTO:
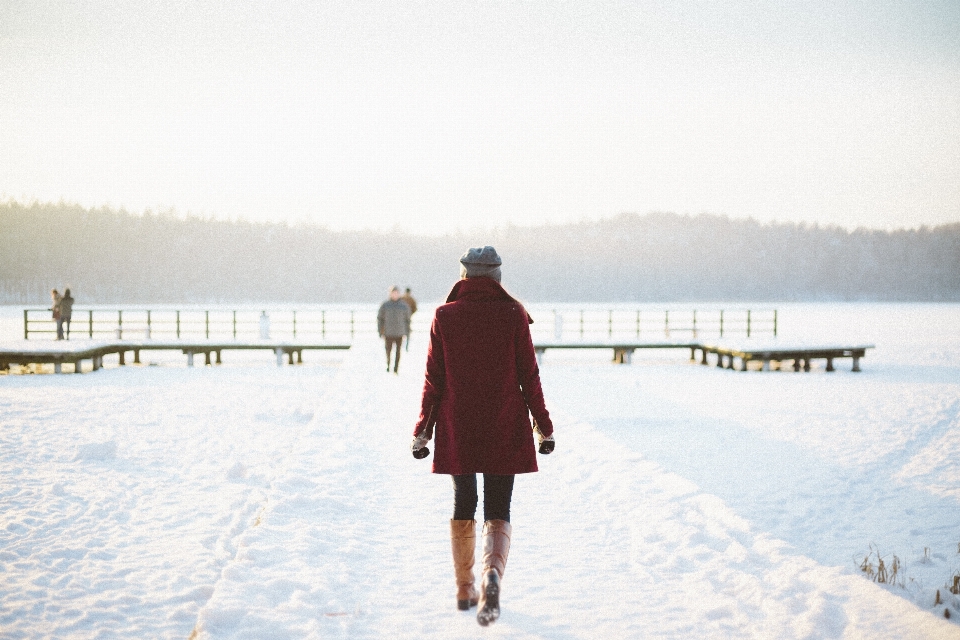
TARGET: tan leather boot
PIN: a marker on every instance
(463, 542)
(496, 548)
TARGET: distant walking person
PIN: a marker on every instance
(393, 322)
(66, 312)
(412, 303)
(482, 384)
(56, 299)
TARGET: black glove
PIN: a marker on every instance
(546, 442)
(419, 446)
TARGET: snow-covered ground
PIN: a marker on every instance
(256, 501)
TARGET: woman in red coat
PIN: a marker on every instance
(482, 384)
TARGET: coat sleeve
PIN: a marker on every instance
(529, 375)
(381, 319)
(434, 383)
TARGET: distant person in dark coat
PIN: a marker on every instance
(482, 385)
(412, 303)
(393, 322)
(66, 312)
(56, 299)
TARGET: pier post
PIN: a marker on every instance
(743, 363)
(136, 356)
(856, 364)
(719, 360)
(703, 356)
(796, 364)
(26, 326)
(57, 368)
(78, 366)
(806, 364)
(219, 361)
(121, 354)
(830, 364)
(189, 358)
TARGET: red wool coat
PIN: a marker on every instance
(482, 383)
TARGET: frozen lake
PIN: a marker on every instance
(254, 501)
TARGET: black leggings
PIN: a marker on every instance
(497, 492)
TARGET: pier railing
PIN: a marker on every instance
(638, 324)
(560, 325)
(173, 324)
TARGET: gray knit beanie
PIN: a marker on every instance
(480, 261)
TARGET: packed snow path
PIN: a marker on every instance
(278, 503)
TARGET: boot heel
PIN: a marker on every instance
(491, 604)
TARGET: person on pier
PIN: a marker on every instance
(66, 312)
(482, 385)
(412, 303)
(393, 322)
(55, 308)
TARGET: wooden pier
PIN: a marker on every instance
(726, 356)
(66, 353)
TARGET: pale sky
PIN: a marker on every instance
(433, 116)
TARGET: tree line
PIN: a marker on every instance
(115, 257)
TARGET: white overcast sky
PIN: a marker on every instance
(433, 116)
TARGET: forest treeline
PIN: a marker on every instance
(114, 257)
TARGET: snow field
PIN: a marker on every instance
(122, 493)
(250, 501)
(606, 542)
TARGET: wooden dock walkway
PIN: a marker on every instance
(799, 355)
(78, 352)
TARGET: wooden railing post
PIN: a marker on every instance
(721, 323)
(207, 325)
(774, 323)
(294, 328)
(666, 323)
(120, 324)
(90, 317)
(26, 326)
(234, 325)
(610, 323)
(748, 323)
(694, 324)
(638, 323)
(178, 324)
(149, 330)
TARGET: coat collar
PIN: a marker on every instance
(482, 288)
